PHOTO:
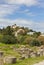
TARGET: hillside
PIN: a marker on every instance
(20, 46)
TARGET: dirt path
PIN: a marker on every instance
(40, 63)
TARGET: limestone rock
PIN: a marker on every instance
(10, 60)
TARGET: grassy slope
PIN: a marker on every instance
(29, 61)
(8, 51)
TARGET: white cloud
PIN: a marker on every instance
(17, 21)
(12, 5)
(38, 26)
(20, 2)
(39, 3)
(7, 9)
(26, 11)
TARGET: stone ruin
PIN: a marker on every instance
(27, 52)
(10, 60)
(24, 52)
(41, 51)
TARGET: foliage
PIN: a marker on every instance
(41, 39)
(7, 31)
(1, 36)
(36, 34)
(35, 42)
(27, 40)
(7, 35)
(8, 39)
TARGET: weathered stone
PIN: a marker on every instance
(41, 52)
(24, 50)
(10, 60)
(32, 54)
(26, 55)
(38, 53)
(1, 54)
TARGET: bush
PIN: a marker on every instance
(27, 40)
(41, 38)
(35, 42)
(8, 39)
(1, 36)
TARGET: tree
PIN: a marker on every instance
(7, 31)
(35, 42)
(8, 39)
(36, 34)
(41, 39)
(27, 40)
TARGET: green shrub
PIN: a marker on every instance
(8, 39)
(35, 42)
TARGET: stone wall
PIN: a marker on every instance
(24, 53)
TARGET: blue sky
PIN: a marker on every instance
(29, 13)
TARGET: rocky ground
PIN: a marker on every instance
(10, 54)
